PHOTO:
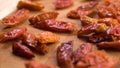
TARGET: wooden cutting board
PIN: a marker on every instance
(8, 60)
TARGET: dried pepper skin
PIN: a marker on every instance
(64, 55)
(33, 43)
(86, 30)
(43, 16)
(47, 37)
(114, 45)
(29, 39)
(13, 34)
(109, 21)
(83, 57)
(73, 14)
(41, 49)
(89, 6)
(114, 31)
(85, 10)
(76, 14)
(85, 20)
(99, 37)
(97, 59)
(57, 26)
(88, 9)
(60, 4)
(109, 2)
(109, 9)
(95, 32)
(22, 50)
(82, 51)
(47, 21)
(16, 18)
(34, 64)
(106, 12)
(85, 13)
(27, 4)
(118, 18)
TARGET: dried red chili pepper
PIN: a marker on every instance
(97, 59)
(114, 31)
(85, 13)
(89, 6)
(29, 39)
(41, 48)
(59, 4)
(12, 35)
(86, 30)
(109, 2)
(27, 4)
(92, 28)
(16, 18)
(82, 51)
(109, 21)
(105, 11)
(99, 37)
(114, 45)
(64, 55)
(85, 20)
(57, 26)
(43, 16)
(21, 50)
(73, 14)
(118, 18)
(47, 37)
(84, 10)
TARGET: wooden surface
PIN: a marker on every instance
(8, 60)
(7, 6)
